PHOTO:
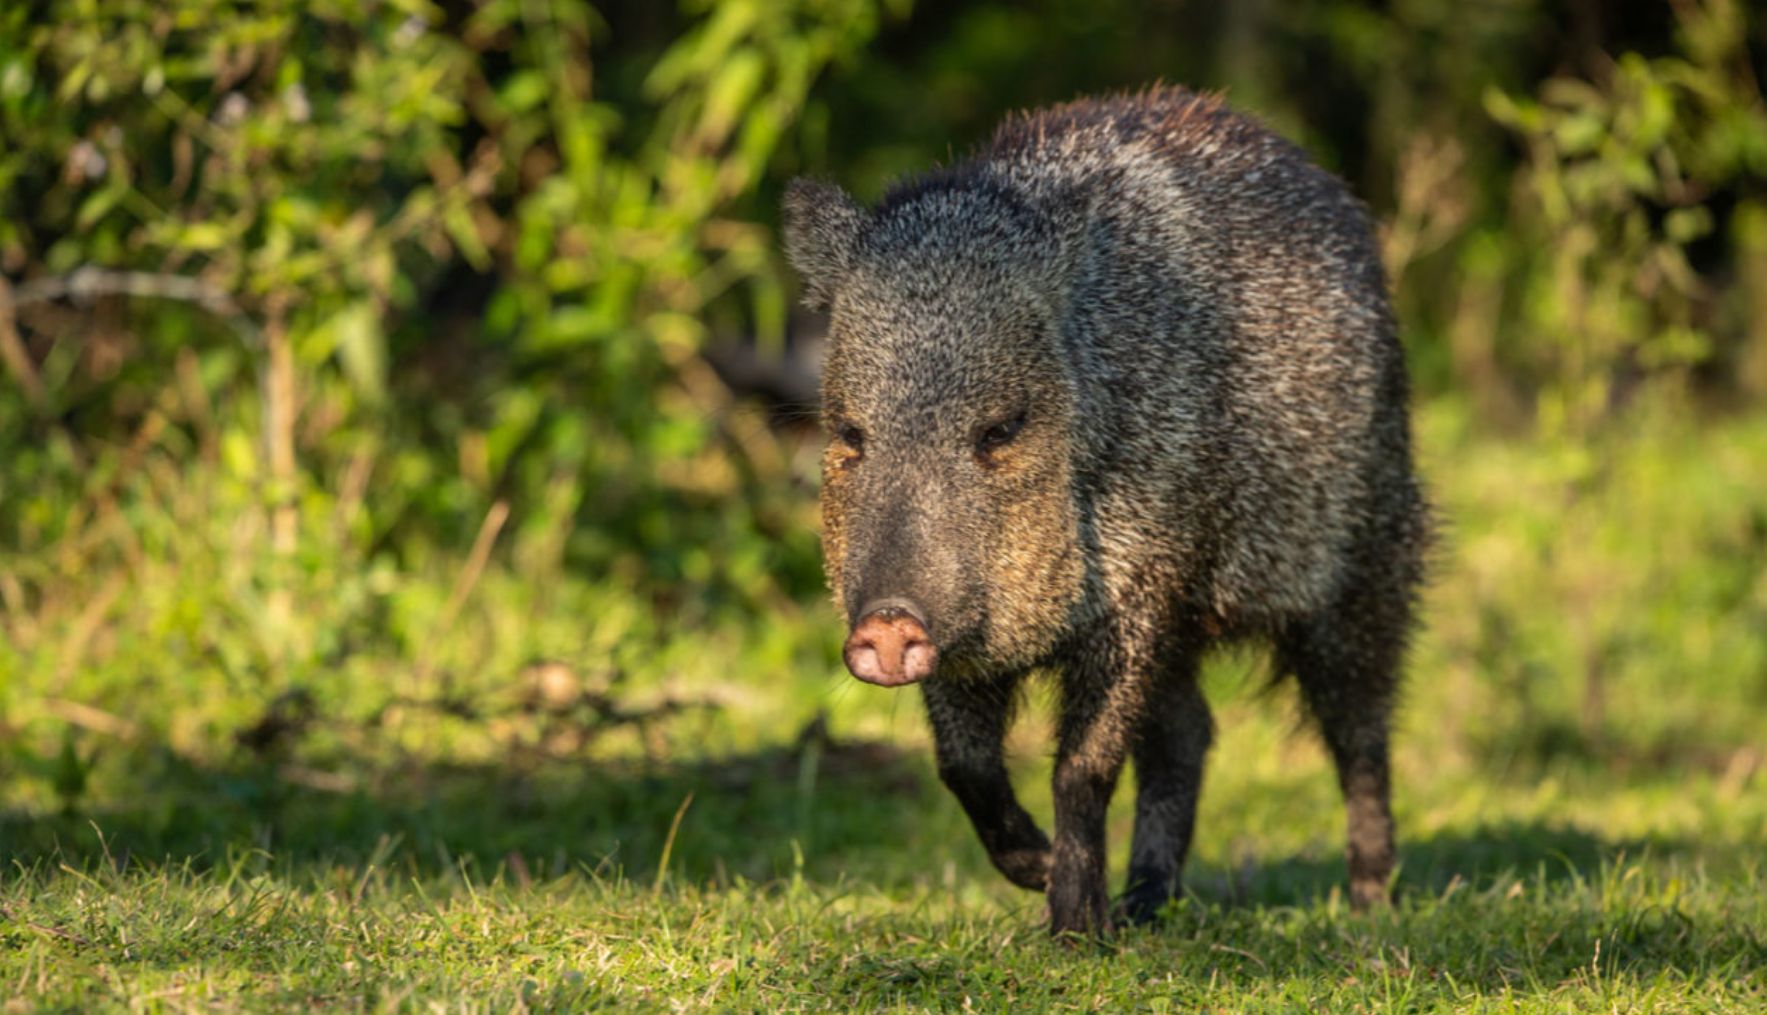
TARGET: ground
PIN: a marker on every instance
(1580, 795)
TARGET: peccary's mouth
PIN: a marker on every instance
(890, 646)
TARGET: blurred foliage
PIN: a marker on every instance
(1622, 179)
(488, 278)
(354, 348)
(1571, 191)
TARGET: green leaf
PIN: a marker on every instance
(1579, 133)
(202, 236)
(457, 219)
(730, 92)
(523, 91)
(1684, 225)
(361, 351)
(99, 205)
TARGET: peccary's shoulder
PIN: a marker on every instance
(1185, 152)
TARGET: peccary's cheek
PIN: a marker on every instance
(1034, 572)
(834, 544)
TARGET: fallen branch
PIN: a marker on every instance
(90, 283)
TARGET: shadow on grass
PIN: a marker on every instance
(859, 813)
(1473, 859)
(819, 808)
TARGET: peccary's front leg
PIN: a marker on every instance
(1170, 742)
(969, 718)
(1102, 698)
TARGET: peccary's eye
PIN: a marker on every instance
(853, 438)
(1000, 434)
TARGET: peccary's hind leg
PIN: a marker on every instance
(1347, 661)
(1170, 743)
(969, 718)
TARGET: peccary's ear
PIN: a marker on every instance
(822, 227)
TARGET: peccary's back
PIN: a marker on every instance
(1230, 339)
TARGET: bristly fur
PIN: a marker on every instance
(1190, 323)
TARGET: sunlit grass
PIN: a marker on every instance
(1564, 845)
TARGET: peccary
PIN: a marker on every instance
(1121, 387)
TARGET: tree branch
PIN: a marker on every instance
(90, 283)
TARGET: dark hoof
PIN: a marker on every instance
(1077, 920)
(1141, 906)
(1368, 894)
(1077, 938)
(1026, 868)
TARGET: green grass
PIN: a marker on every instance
(1629, 936)
(1580, 793)
(858, 887)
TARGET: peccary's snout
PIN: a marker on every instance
(890, 645)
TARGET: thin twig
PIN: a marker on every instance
(42, 928)
(279, 386)
(662, 865)
(85, 626)
(476, 560)
(91, 717)
(1242, 953)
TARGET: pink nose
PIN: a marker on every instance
(890, 648)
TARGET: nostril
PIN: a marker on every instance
(919, 659)
(862, 659)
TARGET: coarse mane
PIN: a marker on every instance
(1174, 117)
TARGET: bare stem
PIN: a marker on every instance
(12, 349)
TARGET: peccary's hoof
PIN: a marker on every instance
(1140, 906)
(1026, 868)
(1368, 894)
(1081, 938)
(1077, 919)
